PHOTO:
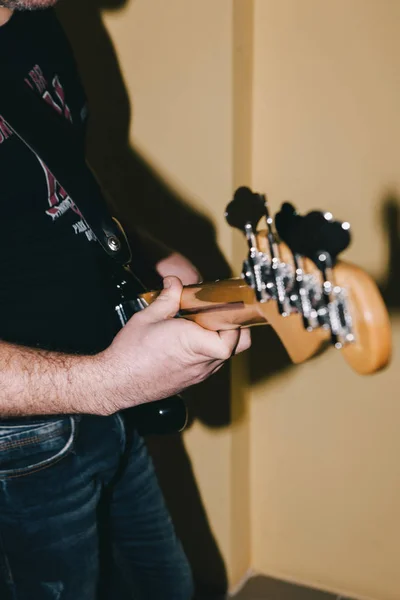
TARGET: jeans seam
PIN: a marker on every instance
(5, 423)
(32, 471)
(25, 471)
(27, 441)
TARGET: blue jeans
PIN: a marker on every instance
(82, 516)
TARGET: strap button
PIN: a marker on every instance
(113, 243)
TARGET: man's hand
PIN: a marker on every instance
(155, 355)
(179, 266)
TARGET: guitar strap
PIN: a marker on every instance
(54, 139)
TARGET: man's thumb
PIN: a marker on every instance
(167, 303)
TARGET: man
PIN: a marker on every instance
(81, 513)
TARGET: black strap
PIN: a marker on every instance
(51, 137)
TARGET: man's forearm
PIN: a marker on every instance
(37, 382)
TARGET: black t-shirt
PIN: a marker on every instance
(54, 293)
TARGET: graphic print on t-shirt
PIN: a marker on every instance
(55, 99)
(5, 131)
(59, 202)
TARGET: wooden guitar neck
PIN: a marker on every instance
(231, 303)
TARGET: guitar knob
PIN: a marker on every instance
(246, 207)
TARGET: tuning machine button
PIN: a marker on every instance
(308, 235)
(246, 208)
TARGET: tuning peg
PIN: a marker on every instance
(312, 233)
(287, 223)
(290, 227)
(321, 232)
(245, 208)
(285, 220)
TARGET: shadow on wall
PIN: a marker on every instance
(390, 216)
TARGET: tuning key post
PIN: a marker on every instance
(283, 301)
(255, 265)
(303, 297)
(335, 304)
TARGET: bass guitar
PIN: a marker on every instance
(292, 280)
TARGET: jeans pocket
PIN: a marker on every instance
(28, 448)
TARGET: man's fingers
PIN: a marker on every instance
(235, 341)
(244, 342)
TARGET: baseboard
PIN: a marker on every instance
(259, 587)
(236, 588)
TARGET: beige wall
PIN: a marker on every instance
(305, 484)
(325, 443)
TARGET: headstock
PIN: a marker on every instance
(293, 263)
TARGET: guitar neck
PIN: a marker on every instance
(225, 304)
(231, 303)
